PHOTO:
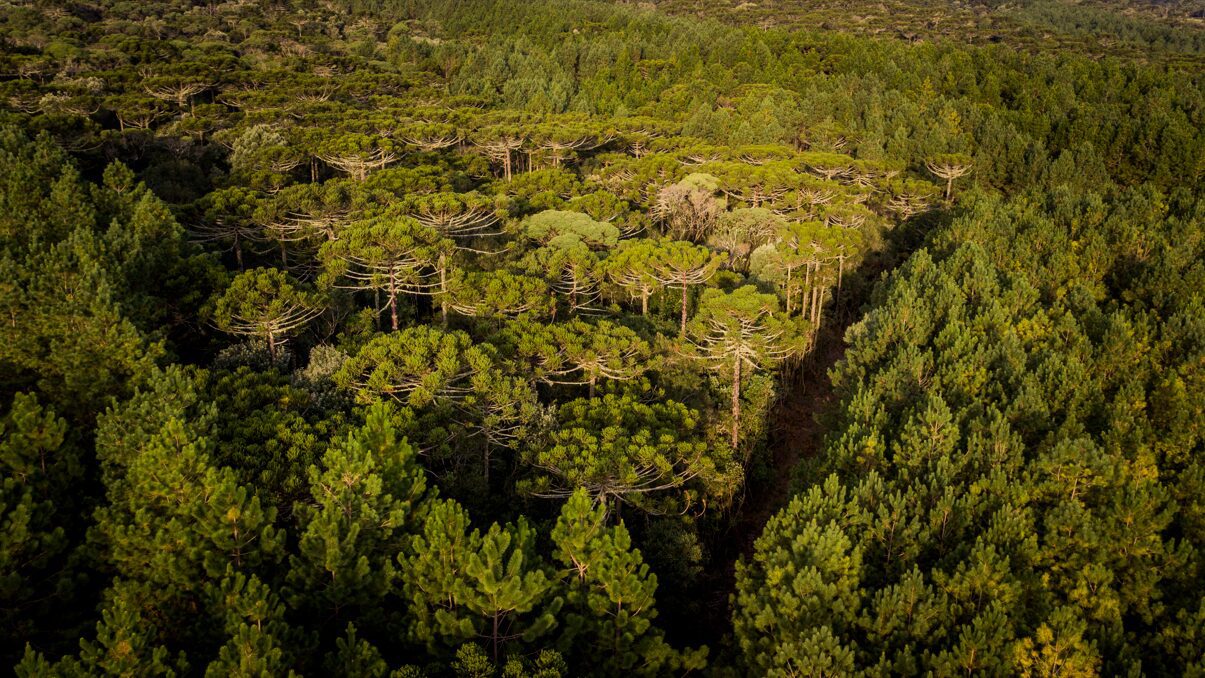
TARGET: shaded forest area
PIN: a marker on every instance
(498, 338)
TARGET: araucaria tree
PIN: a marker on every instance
(391, 255)
(577, 352)
(680, 265)
(632, 267)
(415, 366)
(621, 450)
(949, 167)
(737, 333)
(264, 303)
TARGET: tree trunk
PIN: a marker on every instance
(816, 306)
(393, 300)
(443, 289)
(684, 305)
(495, 637)
(807, 287)
(272, 347)
(644, 301)
(789, 291)
(238, 252)
(487, 464)
(736, 402)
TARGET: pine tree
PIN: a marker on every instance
(355, 657)
(39, 469)
(799, 596)
(78, 349)
(368, 493)
(463, 584)
(124, 645)
(507, 588)
(174, 522)
(252, 618)
(1058, 649)
(433, 573)
(610, 601)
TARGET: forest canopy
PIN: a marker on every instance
(499, 338)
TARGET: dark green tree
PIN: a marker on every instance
(367, 495)
(610, 604)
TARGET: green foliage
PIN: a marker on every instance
(173, 522)
(564, 230)
(500, 295)
(577, 352)
(39, 468)
(89, 269)
(736, 333)
(1008, 512)
(610, 599)
(464, 584)
(253, 620)
(355, 656)
(621, 450)
(389, 255)
(619, 247)
(368, 493)
(800, 593)
(264, 303)
(415, 366)
(270, 432)
(123, 645)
